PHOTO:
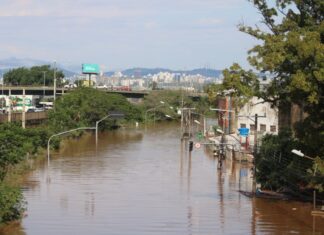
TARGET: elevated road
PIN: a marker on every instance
(49, 91)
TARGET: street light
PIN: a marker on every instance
(44, 73)
(54, 80)
(2, 98)
(300, 154)
(109, 115)
(162, 103)
(220, 131)
(62, 133)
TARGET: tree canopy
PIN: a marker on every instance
(84, 106)
(33, 76)
(237, 82)
(16, 143)
(292, 54)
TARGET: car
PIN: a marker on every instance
(102, 87)
(70, 86)
(32, 110)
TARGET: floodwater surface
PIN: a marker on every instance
(145, 182)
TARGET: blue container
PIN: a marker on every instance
(244, 131)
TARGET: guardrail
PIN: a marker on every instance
(32, 117)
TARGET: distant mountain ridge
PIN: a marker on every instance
(139, 72)
(71, 70)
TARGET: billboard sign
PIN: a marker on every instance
(90, 68)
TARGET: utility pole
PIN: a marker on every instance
(2, 99)
(9, 111)
(255, 133)
(23, 118)
(187, 121)
(44, 73)
(54, 80)
(255, 149)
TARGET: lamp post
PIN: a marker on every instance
(222, 112)
(44, 75)
(301, 154)
(168, 116)
(102, 119)
(62, 133)
(2, 98)
(54, 80)
(204, 121)
(162, 103)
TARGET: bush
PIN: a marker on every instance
(84, 106)
(12, 204)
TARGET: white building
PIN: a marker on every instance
(267, 124)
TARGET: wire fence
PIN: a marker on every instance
(296, 174)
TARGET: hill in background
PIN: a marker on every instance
(71, 70)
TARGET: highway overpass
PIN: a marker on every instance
(49, 91)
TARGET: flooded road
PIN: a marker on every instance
(141, 182)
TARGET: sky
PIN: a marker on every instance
(120, 34)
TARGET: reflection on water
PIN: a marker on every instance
(145, 182)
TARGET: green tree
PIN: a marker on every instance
(84, 106)
(33, 76)
(173, 100)
(240, 84)
(16, 143)
(12, 204)
(11, 151)
(292, 53)
(317, 181)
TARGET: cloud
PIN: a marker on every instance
(64, 8)
(121, 33)
(107, 8)
(150, 25)
(10, 49)
(209, 21)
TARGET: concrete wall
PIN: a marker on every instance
(34, 117)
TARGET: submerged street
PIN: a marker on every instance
(143, 181)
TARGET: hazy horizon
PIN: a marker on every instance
(180, 35)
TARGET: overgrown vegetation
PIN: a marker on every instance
(169, 102)
(80, 108)
(291, 54)
(37, 75)
(16, 145)
(84, 106)
(280, 170)
(241, 85)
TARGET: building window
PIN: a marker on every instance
(252, 127)
(263, 127)
(273, 128)
(242, 125)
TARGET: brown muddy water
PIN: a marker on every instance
(143, 182)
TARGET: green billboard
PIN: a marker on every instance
(90, 68)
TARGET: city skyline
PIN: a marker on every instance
(119, 35)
